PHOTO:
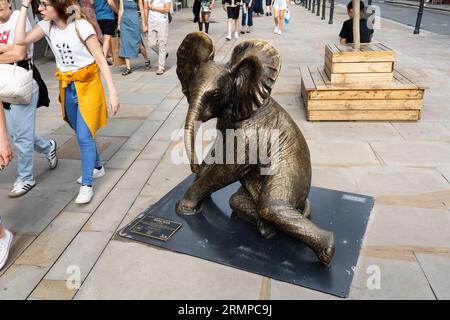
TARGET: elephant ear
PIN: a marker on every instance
(254, 66)
(196, 49)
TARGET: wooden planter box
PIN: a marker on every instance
(400, 99)
(374, 62)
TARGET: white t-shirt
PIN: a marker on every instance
(7, 32)
(157, 16)
(70, 53)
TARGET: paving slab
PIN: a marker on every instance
(436, 269)
(137, 175)
(122, 159)
(408, 226)
(111, 212)
(161, 274)
(341, 153)
(420, 154)
(398, 280)
(82, 253)
(19, 281)
(377, 181)
(425, 131)
(107, 147)
(53, 290)
(19, 244)
(49, 245)
(143, 135)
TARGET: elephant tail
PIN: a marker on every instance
(307, 209)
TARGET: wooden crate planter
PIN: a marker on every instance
(400, 99)
(374, 62)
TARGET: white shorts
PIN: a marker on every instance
(280, 5)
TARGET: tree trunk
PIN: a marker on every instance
(356, 16)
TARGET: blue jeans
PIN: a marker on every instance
(250, 15)
(90, 158)
(21, 123)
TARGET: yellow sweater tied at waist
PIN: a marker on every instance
(91, 96)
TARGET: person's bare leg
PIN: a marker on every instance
(275, 17)
(281, 20)
(144, 51)
(106, 44)
(128, 63)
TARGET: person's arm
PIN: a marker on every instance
(21, 37)
(113, 6)
(143, 16)
(119, 15)
(97, 52)
(6, 152)
(164, 9)
(13, 53)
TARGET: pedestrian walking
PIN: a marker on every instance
(268, 8)
(79, 60)
(258, 8)
(6, 154)
(21, 118)
(104, 11)
(247, 16)
(87, 7)
(205, 12)
(158, 29)
(131, 27)
(232, 9)
(279, 10)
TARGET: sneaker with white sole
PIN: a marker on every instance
(98, 173)
(279, 31)
(21, 187)
(85, 195)
(236, 35)
(51, 156)
(5, 245)
(275, 30)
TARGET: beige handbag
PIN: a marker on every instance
(16, 84)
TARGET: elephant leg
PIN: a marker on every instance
(210, 179)
(244, 206)
(288, 219)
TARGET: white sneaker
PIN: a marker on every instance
(85, 195)
(98, 173)
(5, 245)
(51, 156)
(279, 31)
(275, 30)
(21, 187)
(228, 37)
(236, 35)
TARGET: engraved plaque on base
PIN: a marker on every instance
(156, 228)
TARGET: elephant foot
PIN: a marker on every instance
(326, 252)
(186, 207)
(265, 229)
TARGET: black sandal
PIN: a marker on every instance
(127, 72)
(147, 65)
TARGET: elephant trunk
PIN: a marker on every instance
(190, 132)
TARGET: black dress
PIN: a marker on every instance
(196, 10)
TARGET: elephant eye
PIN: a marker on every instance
(216, 93)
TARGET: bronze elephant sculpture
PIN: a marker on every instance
(238, 95)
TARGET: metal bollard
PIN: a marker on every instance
(318, 7)
(324, 4)
(331, 12)
(419, 17)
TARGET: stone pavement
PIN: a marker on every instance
(406, 166)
